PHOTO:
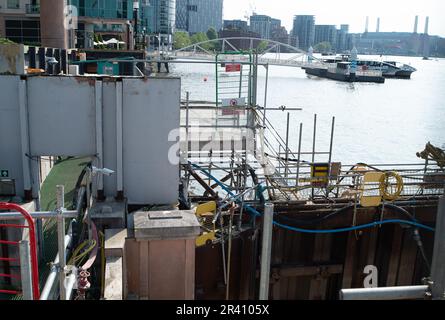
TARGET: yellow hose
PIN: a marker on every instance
(384, 183)
(77, 257)
(102, 251)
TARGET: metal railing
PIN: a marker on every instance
(29, 273)
(32, 9)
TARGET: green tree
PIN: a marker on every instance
(262, 46)
(323, 47)
(201, 37)
(181, 40)
(211, 34)
(5, 41)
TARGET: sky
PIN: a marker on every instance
(395, 15)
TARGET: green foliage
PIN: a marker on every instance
(212, 34)
(323, 47)
(262, 46)
(181, 40)
(202, 37)
(5, 41)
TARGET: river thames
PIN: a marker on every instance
(375, 123)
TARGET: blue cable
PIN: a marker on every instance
(364, 226)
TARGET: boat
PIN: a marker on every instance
(390, 69)
(344, 71)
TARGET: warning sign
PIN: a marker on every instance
(233, 67)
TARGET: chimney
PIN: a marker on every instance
(416, 23)
(427, 21)
(378, 25)
(367, 24)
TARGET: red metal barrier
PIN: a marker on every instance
(32, 245)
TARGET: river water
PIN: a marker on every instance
(375, 123)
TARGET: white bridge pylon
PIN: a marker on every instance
(272, 55)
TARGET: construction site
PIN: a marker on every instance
(114, 187)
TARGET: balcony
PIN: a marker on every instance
(32, 9)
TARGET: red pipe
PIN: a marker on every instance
(32, 245)
(8, 242)
(10, 291)
(16, 226)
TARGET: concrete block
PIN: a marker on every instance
(114, 279)
(12, 59)
(115, 242)
(157, 225)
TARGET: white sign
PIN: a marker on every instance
(235, 102)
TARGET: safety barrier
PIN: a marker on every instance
(32, 249)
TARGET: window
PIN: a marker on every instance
(13, 4)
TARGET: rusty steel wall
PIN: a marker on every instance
(317, 266)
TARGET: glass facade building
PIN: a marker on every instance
(107, 9)
(159, 16)
(303, 33)
(262, 25)
(196, 16)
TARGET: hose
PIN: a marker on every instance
(77, 257)
(384, 184)
(365, 226)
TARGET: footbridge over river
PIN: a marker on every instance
(272, 53)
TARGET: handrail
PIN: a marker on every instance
(32, 244)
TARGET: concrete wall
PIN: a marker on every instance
(62, 116)
(12, 59)
(10, 146)
(67, 116)
(151, 111)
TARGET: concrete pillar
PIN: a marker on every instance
(52, 24)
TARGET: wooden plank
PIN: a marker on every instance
(277, 255)
(304, 271)
(246, 266)
(372, 245)
(350, 260)
(407, 260)
(132, 266)
(143, 270)
(322, 251)
(293, 259)
(395, 257)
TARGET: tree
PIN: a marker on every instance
(5, 41)
(211, 34)
(181, 40)
(262, 46)
(323, 47)
(201, 37)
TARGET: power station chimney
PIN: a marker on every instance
(427, 21)
(367, 24)
(378, 25)
(416, 23)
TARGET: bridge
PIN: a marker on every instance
(271, 55)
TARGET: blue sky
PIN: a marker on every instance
(395, 15)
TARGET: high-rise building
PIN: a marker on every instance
(196, 16)
(303, 31)
(236, 25)
(326, 33)
(20, 20)
(262, 25)
(161, 17)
